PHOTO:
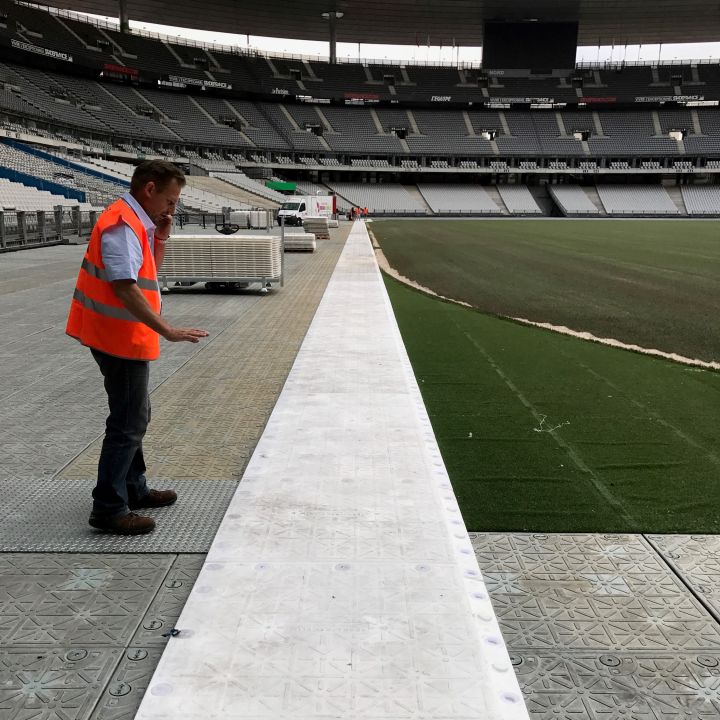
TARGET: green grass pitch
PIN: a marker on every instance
(649, 282)
(548, 433)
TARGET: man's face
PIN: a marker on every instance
(160, 203)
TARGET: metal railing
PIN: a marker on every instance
(208, 220)
(20, 229)
(620, 64)
(201, 219)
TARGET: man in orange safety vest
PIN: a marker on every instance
(115, 311)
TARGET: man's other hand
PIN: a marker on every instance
(163, 225)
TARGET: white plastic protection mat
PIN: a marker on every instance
(342, 582)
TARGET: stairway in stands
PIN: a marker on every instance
(413, 191)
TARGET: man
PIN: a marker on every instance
(115, 311)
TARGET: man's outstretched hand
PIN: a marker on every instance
(192, 335)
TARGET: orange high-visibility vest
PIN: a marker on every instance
(97, 317)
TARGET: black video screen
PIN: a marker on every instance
(532, 45)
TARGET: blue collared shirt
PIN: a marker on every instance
(121, 248)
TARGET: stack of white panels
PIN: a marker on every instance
(259, 218)
(318, 226)
(332, 222)
(241, 218)
(299, 242)
(236, 257)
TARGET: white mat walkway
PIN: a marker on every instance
(341, 583)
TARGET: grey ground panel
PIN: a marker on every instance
(83, 600)
(696, 559)
(590, 686)
(52, 403)
(68, 625)
(600, 628)
(210, 404)
(54, 518)
(59, 683)
(167, 605)
(590, 592)
(122, 695)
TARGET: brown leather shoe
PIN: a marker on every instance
(154, 499)
(130, 524)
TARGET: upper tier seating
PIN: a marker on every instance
(90, 43)
(353, 130)
(630, 133)
(134, 117)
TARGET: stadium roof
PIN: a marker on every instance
(417, 22)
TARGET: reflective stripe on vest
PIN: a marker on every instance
(102, 309)
(101, 274)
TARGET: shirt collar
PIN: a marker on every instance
(143, 217)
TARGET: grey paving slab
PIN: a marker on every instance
(210, 404)
(76, 599)
(122, 695)
(58, 683)
(590, 592)
(169, 601)
(600, 628)
(37, 269)
(591, 686)
(68, 630)
(696, 560)
(53, 517)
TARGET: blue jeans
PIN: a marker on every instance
(121, 470)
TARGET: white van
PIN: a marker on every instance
(297, 208)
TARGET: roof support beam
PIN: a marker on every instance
(332, 17)
(124, 16)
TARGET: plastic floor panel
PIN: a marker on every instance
(80, 634)
(600, 627)
(321, 596)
